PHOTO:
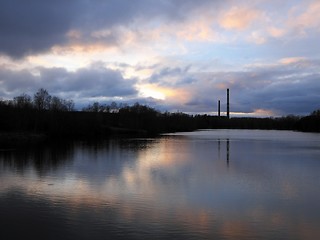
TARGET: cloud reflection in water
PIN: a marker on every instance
(179, 186)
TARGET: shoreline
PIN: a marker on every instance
(22, 139)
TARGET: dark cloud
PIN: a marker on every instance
(282, 88)
(33, 26)
(280, 97)
(92, 82)
(95, 81)
(172, 76)
(16, 82)
(286, 89)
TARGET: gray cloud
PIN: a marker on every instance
(33, 26)
(16, 82)
(284, 89)
(30, 27)
(95, 81)
(165, 75)
(92, 82)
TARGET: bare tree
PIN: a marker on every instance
(22, 101)
(42, 100)
(57, 104)
(69, 105)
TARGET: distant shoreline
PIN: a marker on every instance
(24, 121)
(25, 139)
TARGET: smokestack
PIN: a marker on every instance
(219, 108)
(228, 104)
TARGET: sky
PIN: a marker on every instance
(172, 55)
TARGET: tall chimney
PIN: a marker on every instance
(228, 104)
(219, 108)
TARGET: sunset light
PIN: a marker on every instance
(184, 54)
(159, 119)
(149, 92)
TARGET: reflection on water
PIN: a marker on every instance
(224, 184)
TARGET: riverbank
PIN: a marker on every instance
(23, 126)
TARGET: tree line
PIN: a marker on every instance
(57, 118)
(40, 101)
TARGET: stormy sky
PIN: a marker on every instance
(174, 55)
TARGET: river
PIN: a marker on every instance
(210, 184)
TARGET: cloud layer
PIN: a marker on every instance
(175, 55)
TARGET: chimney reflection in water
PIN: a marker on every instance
(227, 150)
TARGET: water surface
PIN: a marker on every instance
(219, 184)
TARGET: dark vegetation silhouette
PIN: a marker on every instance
(26, 118)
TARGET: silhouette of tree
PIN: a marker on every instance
(316, 113)
(114, 108)
(55, 117)
(69, 104)
(42, 99)
(61, 105)
(22, 101)
(95, 107)
(56, 104)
